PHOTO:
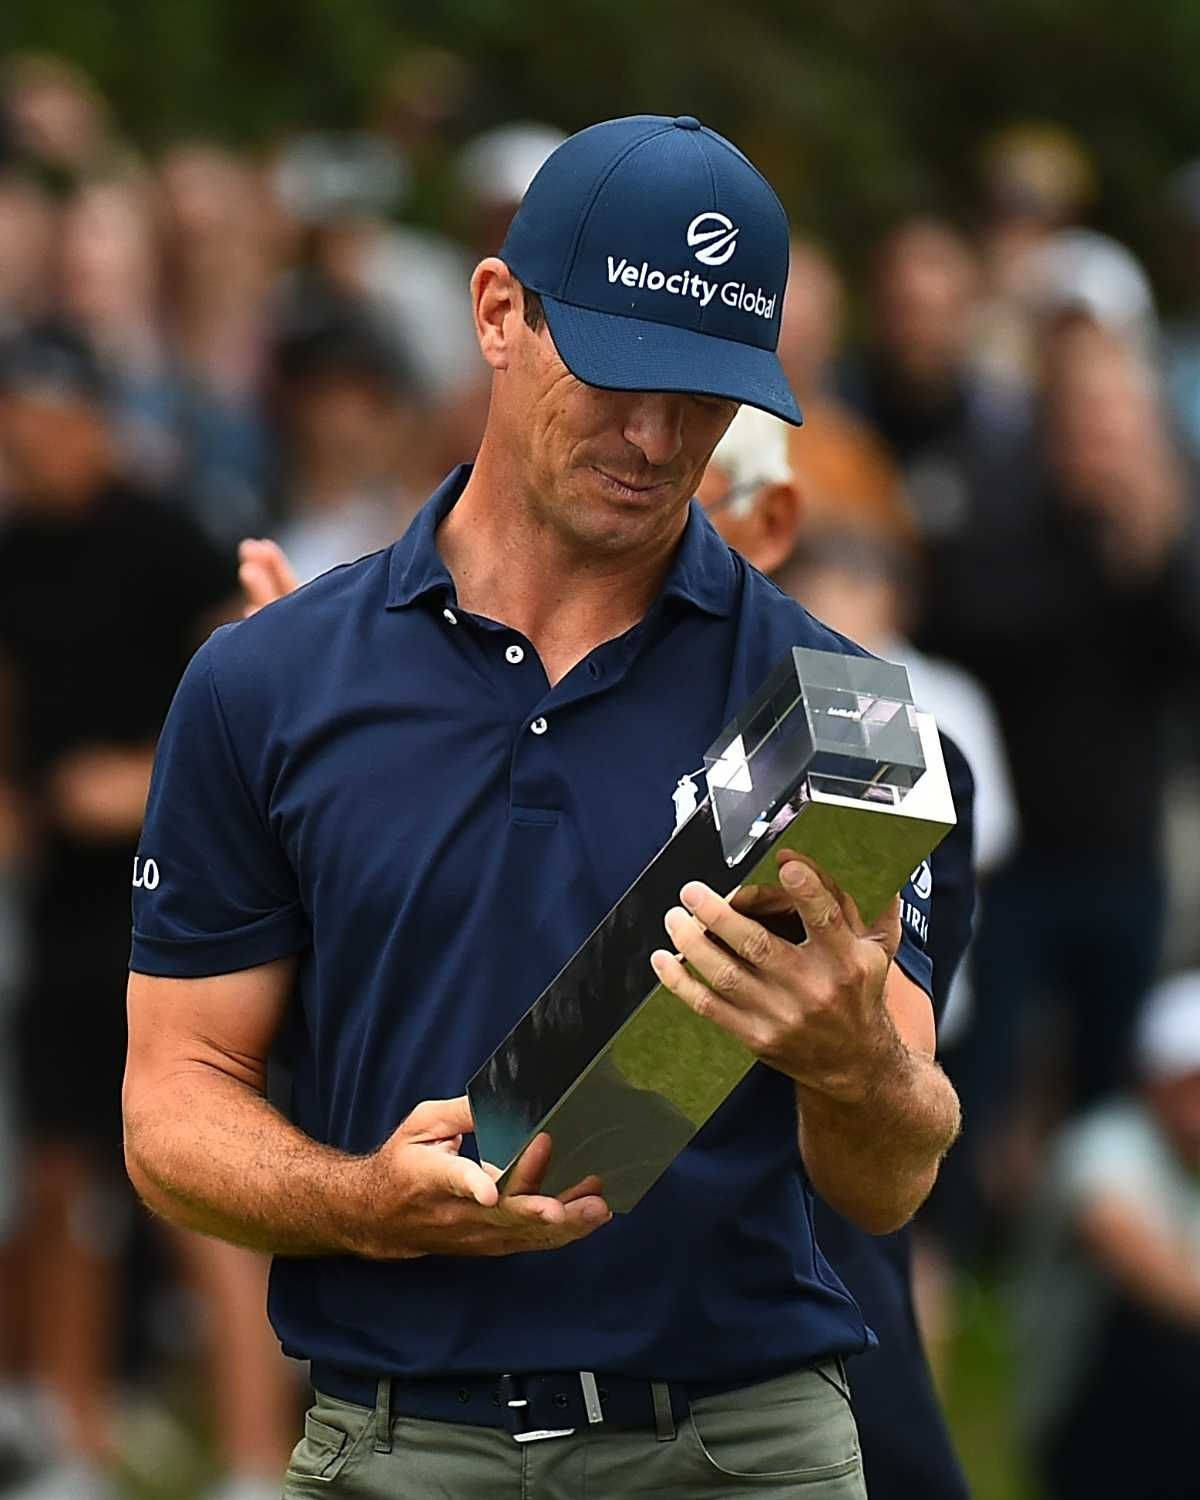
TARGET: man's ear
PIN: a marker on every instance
(499, 306)
(778, 511)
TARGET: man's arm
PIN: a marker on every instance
(876, 1112)
(1145, 1263)
(206, 1150)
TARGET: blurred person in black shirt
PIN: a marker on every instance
(952, 428)
(104, 594)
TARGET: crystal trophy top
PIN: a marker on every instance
(841, 724)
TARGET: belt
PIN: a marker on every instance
(527, 1406)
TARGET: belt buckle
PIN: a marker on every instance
(515, 1405)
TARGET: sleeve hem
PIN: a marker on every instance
(279, 935)
(916, 965)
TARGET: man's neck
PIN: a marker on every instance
(510, 564)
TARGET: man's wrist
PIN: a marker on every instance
(882, 1060)
(355, 1217)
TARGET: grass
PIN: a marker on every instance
(981, 1374)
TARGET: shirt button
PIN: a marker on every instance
(514, 654)
(539, 726)
(450, 617)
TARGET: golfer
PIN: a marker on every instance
(386, 810)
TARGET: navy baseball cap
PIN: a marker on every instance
(661, 256)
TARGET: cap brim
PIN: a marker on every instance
(629, 354)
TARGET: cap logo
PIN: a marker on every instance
(716, 234)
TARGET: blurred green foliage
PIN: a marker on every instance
(856, 111)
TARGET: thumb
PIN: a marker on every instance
(439, 1119)
(885, 929)
(465, 1178)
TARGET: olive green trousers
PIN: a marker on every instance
(792, 1436)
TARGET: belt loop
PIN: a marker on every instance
(383, 1416)
(664, 1420)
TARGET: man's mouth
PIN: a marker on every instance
(629, 486)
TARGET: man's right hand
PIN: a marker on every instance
(427, 1199)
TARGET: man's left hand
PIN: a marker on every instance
(814, 1010)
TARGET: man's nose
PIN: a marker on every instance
(654, 425)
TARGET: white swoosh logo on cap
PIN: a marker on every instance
(718, 236)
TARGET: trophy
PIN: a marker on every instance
(829, 758)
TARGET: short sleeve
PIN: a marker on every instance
(913, 952)
(213, 891)
(1111, 1152)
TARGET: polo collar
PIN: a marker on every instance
(703, 573)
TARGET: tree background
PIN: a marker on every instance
(856, 111)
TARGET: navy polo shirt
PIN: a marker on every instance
(368, 777)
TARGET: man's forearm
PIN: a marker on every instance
(217, 1157)
(874, 1158)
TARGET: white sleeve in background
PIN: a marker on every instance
(964, 710)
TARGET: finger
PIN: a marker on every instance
(760, 900)
(749, 940)
(817, 904)
(721, 970)
(583, 1215)
(697, 996)
(590, 1187)
(439, 1119)
(530, 1166)
(567, 1220)
(843, 897)
(255, 584)
(275, 560)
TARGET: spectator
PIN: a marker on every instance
(219, 258)
(1077, 585)
(1111, 1291)
(347, 414)
(104, 592)
(26, 249)
(57, 118)
(842, 468)
(953, 431)
(1037, 180)
(866, 585)
(109, 260)
(752, 499)
(339, 189)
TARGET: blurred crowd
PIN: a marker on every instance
(996, 483)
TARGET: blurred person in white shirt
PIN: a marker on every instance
(1109, 1299)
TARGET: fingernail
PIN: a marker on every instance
(794, 873)
(673, 917)
(691, 894)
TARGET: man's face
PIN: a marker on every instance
(612, 470)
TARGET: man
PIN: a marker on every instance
(392, 805)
